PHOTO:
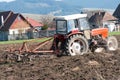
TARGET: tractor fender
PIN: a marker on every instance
(80, 33)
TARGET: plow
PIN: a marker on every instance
(73, 37)
(26, 47)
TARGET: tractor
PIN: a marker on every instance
(74, 36)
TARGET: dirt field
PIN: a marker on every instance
(92, 66)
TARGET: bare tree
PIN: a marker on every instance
(99, 21)
(99, 18)
(47, 20)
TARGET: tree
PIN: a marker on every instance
(45, 27)
(47, 21)
(99, 17)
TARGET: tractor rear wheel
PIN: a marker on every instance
(76, 45)
(112, 43)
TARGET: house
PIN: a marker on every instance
(117, 12)
(35, 24)
(12, 24)
(34, 32)
(90, 12)
(117, 15)
(103, 19)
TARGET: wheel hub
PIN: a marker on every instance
(75, 48)
(111, 45)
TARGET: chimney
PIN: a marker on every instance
(2, 20)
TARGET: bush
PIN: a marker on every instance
(45, 27)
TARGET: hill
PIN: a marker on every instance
(39, 7)
(56, 7)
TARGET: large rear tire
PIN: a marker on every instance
(112, 43)
(76, 45)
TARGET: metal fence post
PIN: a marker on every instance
(47, 33)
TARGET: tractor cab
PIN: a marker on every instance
(71, 23)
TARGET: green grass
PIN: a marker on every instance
(21, 41)
(114, 33)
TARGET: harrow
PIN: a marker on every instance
(26, 48)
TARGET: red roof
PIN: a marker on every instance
(34, 23)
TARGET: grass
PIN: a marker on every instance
(114, 33)
(21, 41)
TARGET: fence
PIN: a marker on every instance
(44, 33)
(117, 28)
(31, 35)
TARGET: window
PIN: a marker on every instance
(71, 25)
(13, 32)
(61, 26)
(84, 24)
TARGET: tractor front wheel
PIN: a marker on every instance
(76, 45)
(112, 43)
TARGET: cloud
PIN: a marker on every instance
(7, 0)
(55, 12)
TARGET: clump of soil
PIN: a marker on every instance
(91, 66)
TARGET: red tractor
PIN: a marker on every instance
(75, 37)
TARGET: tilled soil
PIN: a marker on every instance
(91, 66)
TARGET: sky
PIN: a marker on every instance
(6, 0)
(97, 3)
